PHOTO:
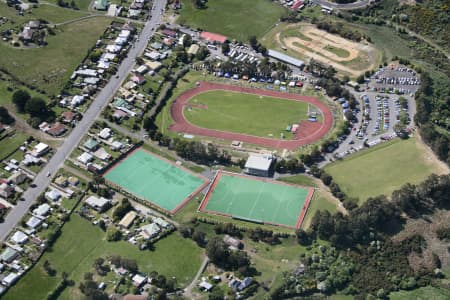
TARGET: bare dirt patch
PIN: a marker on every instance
(318, 44)
(426, 227)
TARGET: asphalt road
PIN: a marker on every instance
(348, 6)
(41, 180)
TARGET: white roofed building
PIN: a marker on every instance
(258, 165)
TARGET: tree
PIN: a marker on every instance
(121, 210)
(95, 55)
(20, 99)
(187, 41)
(113, 234)
(199, 237)
(202, 53)
(360, 79)
(5, 117)
(225, 48)
(217, 250)
(216, 294)
(253, 42)
(36, 107)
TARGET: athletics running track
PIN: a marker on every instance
(308, 132)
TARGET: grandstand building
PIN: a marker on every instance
(286, 58)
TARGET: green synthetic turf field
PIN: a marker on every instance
(245, 113)
(153, 179)
(257, 200)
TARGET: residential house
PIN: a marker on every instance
(150, 230)
(53, 195)
(57, 129)
(34, 222)
(40, 149)
(169, 32)
(91, 144)
(96, 203)
(105, 133)
(128, 219)
(138, 79)
(19, 237)
(101, 154)
(10, 279)
(138, 280)
(6, 190)
(42, 210)
(161, 222)
(85, 158)
(68, 117)
(17, 178)
(8, 255)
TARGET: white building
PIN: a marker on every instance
(258, 165)
(97, 203)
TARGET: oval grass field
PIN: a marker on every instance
(245, 113)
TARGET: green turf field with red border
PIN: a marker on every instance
(257, 200)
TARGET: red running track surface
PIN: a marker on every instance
(308, 132)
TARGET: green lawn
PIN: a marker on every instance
(9, 144)
(299, 179)
(236, 19)
(381, 169)
(81, 243)
(424, 293)
(245, 113)
(50, 67)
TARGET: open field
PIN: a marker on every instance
(257, 200)
(9, 144)
(383, 168)
(50, 67)
(245, 113)
(423, 293)
(173, 256)
(308, 132)
(236, 19)
(155, 180)
(307, 42)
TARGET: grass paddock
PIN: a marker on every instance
(381, 169)
(236, 19)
